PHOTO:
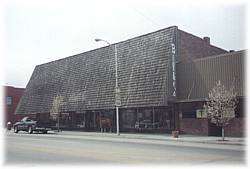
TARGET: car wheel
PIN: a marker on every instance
(15, 129)
(30, 131)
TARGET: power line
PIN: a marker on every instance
(146, 17)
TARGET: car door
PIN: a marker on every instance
(24, 124)
(27, 123)
(21, 125)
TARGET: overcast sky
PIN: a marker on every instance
(36, 32)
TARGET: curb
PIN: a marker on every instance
(167, 138)
(211, 142)
(241, 143)
(192, 141)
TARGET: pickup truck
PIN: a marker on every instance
(29, 125)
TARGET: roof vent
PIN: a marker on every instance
(206, 39)
(231, 51)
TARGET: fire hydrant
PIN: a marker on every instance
(9, 125)
(175, 134)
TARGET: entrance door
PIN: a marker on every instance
(214, 130)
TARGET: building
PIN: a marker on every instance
(196, 78)
(150, 88)
(12, 97)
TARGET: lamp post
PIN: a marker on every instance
(117, 91)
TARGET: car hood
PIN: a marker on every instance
(31, 122)
(16, 123)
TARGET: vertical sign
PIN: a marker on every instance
(173, 68)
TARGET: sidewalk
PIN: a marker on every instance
(182, 138)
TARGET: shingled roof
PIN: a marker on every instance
(87, 80)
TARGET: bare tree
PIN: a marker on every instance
(221, 105)
(55, 111)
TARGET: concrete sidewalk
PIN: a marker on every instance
(182, 138)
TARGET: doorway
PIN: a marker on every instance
(214, 130)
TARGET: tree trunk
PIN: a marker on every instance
(223, 134)
(58, 121)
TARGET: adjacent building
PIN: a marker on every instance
(11, 99)
(162, 76)
(196, 78)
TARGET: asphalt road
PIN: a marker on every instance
(37, 149)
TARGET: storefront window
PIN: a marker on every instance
(145, 119)
(128, 118)
(191, 114)
(80, 120)
(148, 114)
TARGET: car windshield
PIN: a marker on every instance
(26, 119)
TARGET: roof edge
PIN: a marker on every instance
(109, 45)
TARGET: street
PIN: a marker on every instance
(60, 148)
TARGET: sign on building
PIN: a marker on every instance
(173, 69)
(118, 97)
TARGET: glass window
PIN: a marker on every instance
(128, 118)
(9, 100)
(189, 115)
(201, 113)
(148, 113)
(139, 115)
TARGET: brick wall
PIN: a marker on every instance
(236, 128)
(16, 94)
(194, 126)
(192, 47)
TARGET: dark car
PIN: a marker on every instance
(29, 125)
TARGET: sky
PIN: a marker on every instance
(37, 32)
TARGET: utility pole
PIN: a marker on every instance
(117, 90)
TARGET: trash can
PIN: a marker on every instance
(9, 125)
(175, 134)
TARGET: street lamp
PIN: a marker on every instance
(117, 91)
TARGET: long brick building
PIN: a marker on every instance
(156, 72)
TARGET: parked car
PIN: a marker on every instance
(29, 125)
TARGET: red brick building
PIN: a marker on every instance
(12, 96)
(196, 78)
